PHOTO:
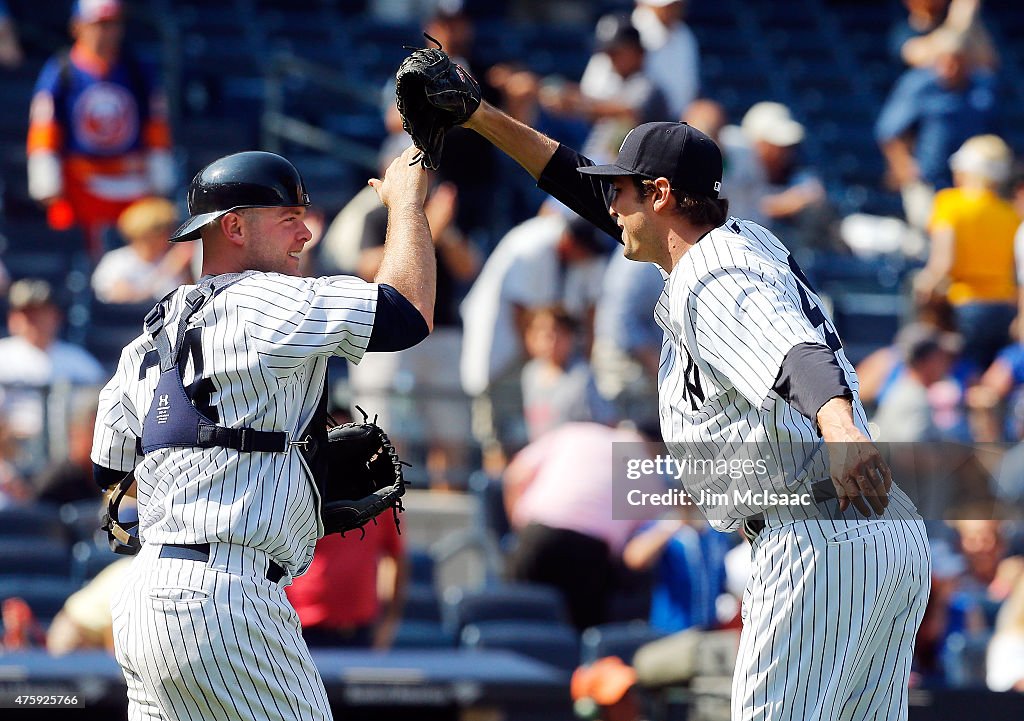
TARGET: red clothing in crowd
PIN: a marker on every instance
(340, 588)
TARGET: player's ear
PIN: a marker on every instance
(662, 196)
(232, 227)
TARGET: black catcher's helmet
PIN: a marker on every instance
(253, 179)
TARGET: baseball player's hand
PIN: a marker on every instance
(404, 182)
(859, 473)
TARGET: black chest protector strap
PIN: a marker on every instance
(173, 420)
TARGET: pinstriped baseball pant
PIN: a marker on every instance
(829, 620)
(213, 640)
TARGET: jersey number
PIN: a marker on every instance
(812, 311)
(200, 390)
(692, 390)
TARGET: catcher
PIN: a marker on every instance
(215, 419)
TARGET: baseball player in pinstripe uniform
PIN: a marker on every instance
(228, 515)
(751, 367)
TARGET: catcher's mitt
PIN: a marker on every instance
(367, 476)
(434, 95)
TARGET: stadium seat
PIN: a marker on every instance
(111, 327)
(866, 320)
(421, 603)
(421, 567)
(81, 518)
(490, 502)
(506, 602)
(35, 249)
(43, 264)
(40, 521)
(22, 558)
(552, 643)
(89, 558)
(715, 14)
(616, 639)
(422, 634)
(963, 659)
(45, 596)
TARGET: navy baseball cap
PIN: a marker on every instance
(687, 157)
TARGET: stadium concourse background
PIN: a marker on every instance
(305, 78)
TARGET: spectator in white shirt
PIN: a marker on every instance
(541, 262)
(672, 58)
(148, 267)
(33, 357)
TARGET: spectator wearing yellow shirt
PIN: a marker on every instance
(85, 621)
(971, 261)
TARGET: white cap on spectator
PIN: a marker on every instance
(772, 123)
(986, 156)
(92, 11)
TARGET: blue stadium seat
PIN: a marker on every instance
(47, 265)
(715, 14)
(20, 557)
(552, 643)
(804, 44)
(111, 327)
(89, 558)
(866, 320)
(963, 659)
(506, 602)
(82, 518)
(866, 199)
(421, 603)
(422, 634)
(616, 639)
(45, 596)
(495, 42)
(421, 567)
(875, 18)
(790, 23)
(209, 138)
(490, 506)
(40, 521)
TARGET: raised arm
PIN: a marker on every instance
(409, 264)
(553, 165)
(528, 147)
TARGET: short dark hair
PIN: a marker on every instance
(698, 209)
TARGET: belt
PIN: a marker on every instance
(201, 552)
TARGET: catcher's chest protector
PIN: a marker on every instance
(173, 420)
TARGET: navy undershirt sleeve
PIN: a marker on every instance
(584, 194)
(106, 477)
(397, 324)
(809, 378)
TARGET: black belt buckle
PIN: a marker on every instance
(246, 440)
(201, 552)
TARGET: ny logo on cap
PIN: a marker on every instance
(718, 186)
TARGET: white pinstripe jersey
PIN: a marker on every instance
(732, 308)
(257, 357)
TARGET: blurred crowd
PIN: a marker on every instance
(545, 350)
